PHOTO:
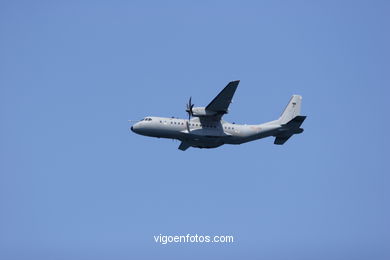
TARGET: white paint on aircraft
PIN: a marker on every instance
(206, 129)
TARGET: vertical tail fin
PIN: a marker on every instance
(292, 109)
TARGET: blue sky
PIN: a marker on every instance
(76, 184)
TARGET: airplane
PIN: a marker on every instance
(205, 127)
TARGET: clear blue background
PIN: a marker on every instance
(76, 184)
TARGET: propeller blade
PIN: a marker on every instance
(189, 108)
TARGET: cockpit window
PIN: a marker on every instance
(147, 119)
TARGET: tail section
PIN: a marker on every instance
(290, 120)
(292, 110)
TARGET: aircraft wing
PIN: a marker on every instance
(221, 102)
(184, 146)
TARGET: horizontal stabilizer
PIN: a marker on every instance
(296, 122)
(289, 129)
(282, 139)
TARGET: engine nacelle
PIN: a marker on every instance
(201, 111)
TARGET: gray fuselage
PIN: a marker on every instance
(205, 133)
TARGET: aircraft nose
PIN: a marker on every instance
(134, 128)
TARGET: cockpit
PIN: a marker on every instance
(146, 119)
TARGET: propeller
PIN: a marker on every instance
(189, 109)
(190, 113)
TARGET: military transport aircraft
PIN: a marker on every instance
(206, 129)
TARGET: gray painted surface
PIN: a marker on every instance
(207, 130)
